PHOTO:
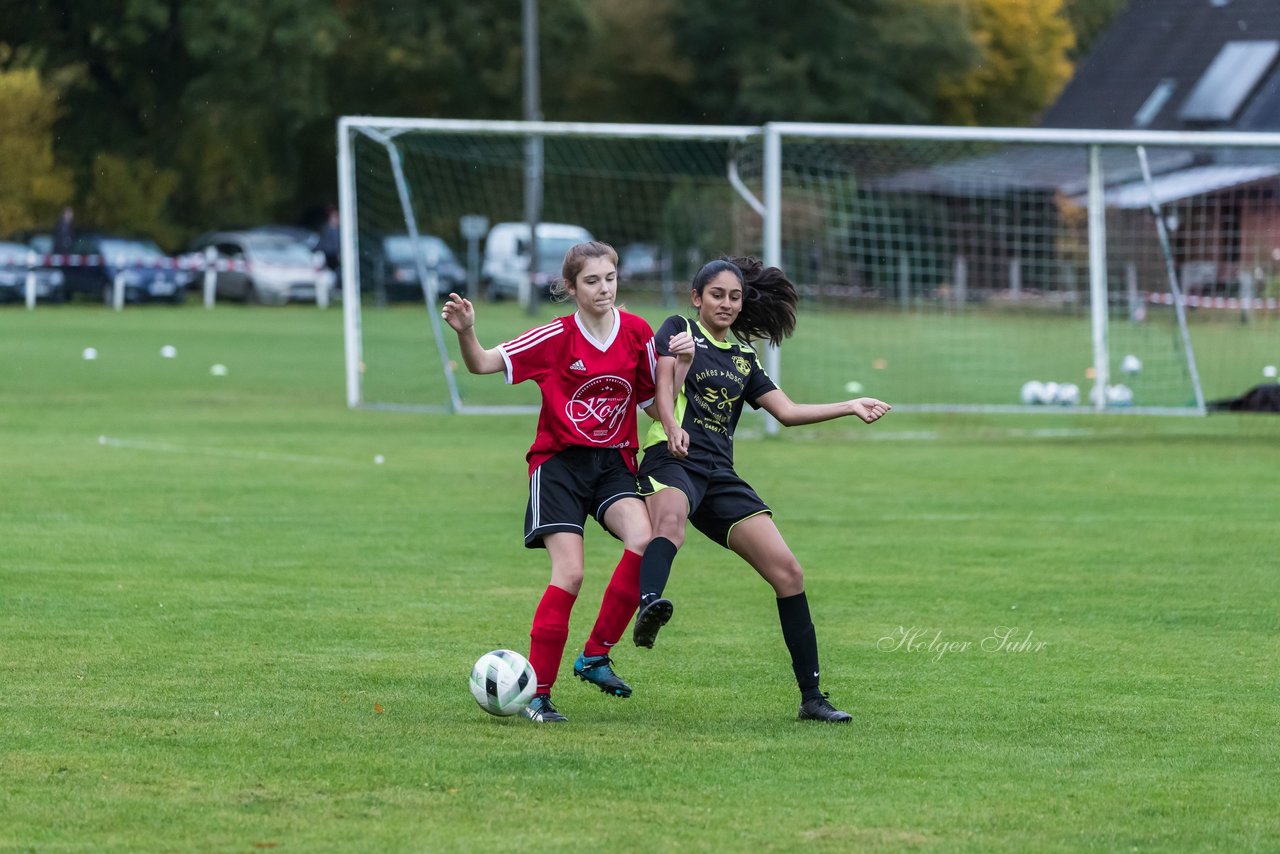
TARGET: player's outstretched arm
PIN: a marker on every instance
(792, 414)
(460, 314)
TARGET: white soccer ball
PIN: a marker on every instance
(1032, 392)
(1068, 395)
(503, 682)
(1119, 395)
(168, 351)
(1130, 364)
(89, 354)
(218, 370)
(1269, 372)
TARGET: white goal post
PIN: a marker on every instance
(956, 269)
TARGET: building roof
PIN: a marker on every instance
(1185, 184)
(1194, 65)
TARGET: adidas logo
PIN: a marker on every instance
(578, 366)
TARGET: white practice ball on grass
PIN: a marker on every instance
(89, 354)
(218, 370)
(1068, 394)
(1032, 392)
(379, 460)
(168, 351)
(1269, 372)
(853, 387)
(1119, 395)
(503, 682)
(1130, 364)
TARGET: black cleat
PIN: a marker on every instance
(651, 618)
(540, 711)
(598, 670)
(820, 709)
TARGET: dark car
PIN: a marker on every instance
(396, 271)
(14, 264)
(147, 274)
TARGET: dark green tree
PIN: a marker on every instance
(823, 60)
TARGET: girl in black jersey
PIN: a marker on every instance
(687, 474)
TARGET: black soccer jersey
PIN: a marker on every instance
(722, 377)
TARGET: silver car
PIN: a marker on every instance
(49, 284)
(257, 267)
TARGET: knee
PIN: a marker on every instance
(636, 534)
(788, 578)
(636, 543)
(671, 526)
(567, 577)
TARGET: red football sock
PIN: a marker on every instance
(618, 606)
(549, 634)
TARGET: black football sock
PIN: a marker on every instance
(655, 568)
(802, 643)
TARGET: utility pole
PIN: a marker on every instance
(533, 153)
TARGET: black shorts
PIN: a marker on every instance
(575, 483)
(718, 499)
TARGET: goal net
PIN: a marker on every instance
(938, 267)
(663, 197)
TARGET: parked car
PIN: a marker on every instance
(148, 274)
(40, 241)
(396, 271)
(506, 255)
(296, 232)
(50, 286)
(268, 268)
(640, 261)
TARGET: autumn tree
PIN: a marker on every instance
(1023, 64)
(32, 185)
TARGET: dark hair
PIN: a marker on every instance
(768, 297)
(574, 260)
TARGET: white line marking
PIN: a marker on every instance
(165, 447)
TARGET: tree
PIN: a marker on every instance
(1089, 19)
(823, 60)
(32, 185)
(132, 196)
(1024, 63)
(211, 86)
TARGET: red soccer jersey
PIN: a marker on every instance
(590, 389)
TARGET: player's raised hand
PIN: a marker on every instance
(681, 346)
(459, 313)
(869, 409)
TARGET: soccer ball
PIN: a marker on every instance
(1068, 394)
(503, 682)
(1032, 392)
(1119, 395)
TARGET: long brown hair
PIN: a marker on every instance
(768, 298)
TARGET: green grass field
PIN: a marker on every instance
(223, 627)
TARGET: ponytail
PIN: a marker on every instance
(768, 302)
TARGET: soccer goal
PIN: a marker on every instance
(939, 268)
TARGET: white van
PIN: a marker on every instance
(506, 256)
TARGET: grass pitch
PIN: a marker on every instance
(224, 627)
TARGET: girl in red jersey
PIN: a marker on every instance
(594, 368)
